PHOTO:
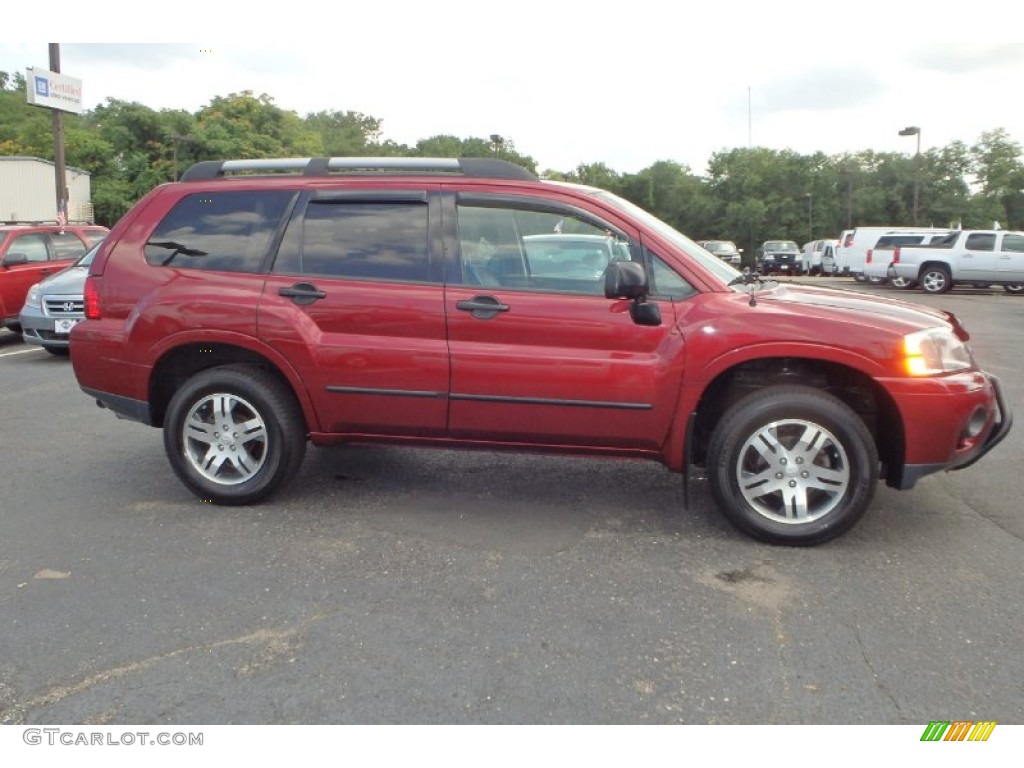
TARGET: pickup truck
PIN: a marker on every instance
(878, 259)
(976, 256)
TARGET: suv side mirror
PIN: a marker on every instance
(625, 280)
(628, 280)
(15, 259)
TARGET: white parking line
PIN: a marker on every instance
(21, 352)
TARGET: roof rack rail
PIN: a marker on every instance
(478, 167)
(46, 222)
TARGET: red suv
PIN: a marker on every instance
(30, 252)
(260, 304)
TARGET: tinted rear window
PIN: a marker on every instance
(362, 240)
(891, 241)
(228, 231)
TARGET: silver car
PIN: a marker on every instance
(726, 250)
(54, 305)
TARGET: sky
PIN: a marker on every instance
(566, 82)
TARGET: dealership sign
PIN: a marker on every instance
(54, 90)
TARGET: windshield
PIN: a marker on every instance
(711, 263)
(720, 246)
(780, 245)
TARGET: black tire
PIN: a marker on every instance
(1014, 288)
(935, 278)
(15, 328)
(835, 481)
(254, 462)
(58, 351)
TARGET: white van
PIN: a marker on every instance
(854, 247)
(812, 254)
(830, 260)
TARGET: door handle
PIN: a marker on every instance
(482, 307)
(302, 293)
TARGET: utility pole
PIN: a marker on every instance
(58, 145)
(914, 130)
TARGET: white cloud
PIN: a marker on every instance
(574, 82)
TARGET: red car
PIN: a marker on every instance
(395, 300)
(31, 252)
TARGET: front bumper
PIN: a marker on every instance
(966, 452)
(42, 329)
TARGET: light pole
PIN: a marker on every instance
(497, 141)
(913, 130)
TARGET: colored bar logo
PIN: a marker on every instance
(958, 730)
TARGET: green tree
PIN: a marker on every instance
(241, 125)
(996, 164)
(345, 134)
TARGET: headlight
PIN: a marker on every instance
(934, 351)
(33, 297)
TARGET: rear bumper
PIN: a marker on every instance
(123, 407)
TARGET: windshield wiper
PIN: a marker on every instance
(176, 249)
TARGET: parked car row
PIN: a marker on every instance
(980, 258)
(32, 252)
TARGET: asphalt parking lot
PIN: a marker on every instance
(390, 585)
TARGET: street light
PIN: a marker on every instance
(913, 130)
(497, 141)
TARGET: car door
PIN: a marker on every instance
(541, 356)
(977, 260)
(355, 302)
(26, 261)
(1010, 258)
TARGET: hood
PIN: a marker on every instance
(894, 315)
(68, 281)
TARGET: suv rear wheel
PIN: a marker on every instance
(935, 278)
(234, 434)
(792, 465)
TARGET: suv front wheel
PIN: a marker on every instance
(792, 465)
(234, 434)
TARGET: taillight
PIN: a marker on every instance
(896, 256)
(867, 259)
(92, 300)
